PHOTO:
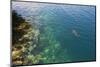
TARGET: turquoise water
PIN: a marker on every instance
(72, 27)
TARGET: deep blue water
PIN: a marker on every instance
(72, 25)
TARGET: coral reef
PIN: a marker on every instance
(34, 45)
(24, 40)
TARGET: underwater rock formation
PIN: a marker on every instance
(34, 45)
(24, 39)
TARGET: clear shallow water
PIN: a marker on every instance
(73, 26)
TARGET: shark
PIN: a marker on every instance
(75, 33)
